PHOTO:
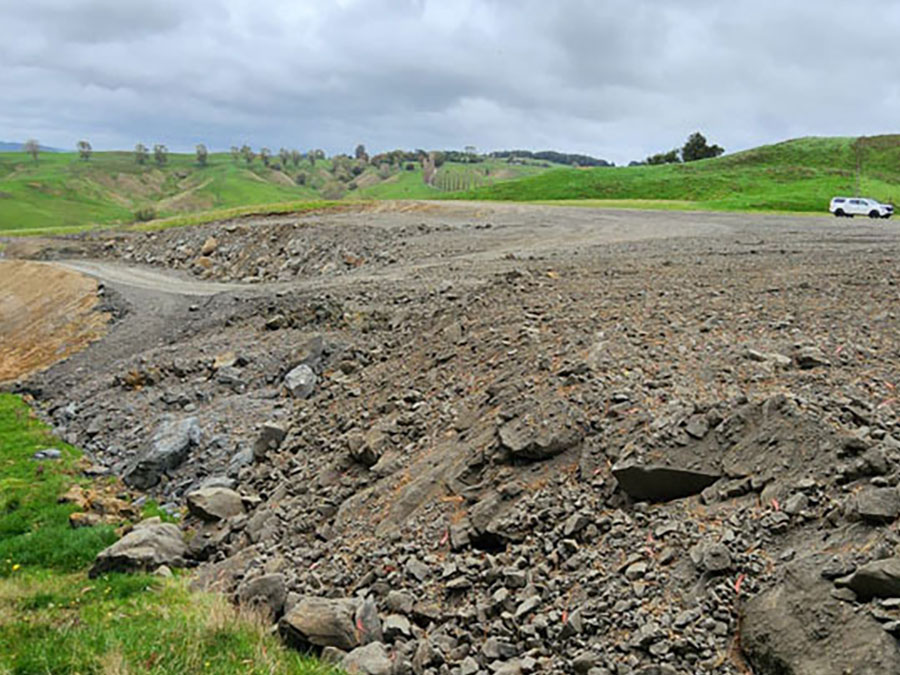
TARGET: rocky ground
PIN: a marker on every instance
(510, 439)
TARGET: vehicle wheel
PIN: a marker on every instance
(874, 214)
(839, 213)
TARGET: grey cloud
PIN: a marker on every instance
(616, 79)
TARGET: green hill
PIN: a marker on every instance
(796, 175)
(60, 192)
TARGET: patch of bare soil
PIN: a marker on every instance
(46, 314)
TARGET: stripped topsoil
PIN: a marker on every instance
(502, 439)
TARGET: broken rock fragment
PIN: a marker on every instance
(215, 503)
(878, 579)
(151, 544)
(301, 381)
(169, 447)
(315, 622)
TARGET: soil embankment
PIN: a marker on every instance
(46, 314)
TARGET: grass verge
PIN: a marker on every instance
(53, 619)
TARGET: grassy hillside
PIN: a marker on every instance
(61, 193)
(797, 175)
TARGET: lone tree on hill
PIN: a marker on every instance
(85, 150)
(360, 153)
(235, 153)
(160, 153)
(264, 155)
(248, 154)
(285, 156)
(32, 147)
(141, 153)
(696, 148)
(296, 156)
(201, 154)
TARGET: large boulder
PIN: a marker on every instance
(215, 503)
(657, 482)
(345, 623)
(148, 546)
(878, 579)
(799, 628)
(169, 447)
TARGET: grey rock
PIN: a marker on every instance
(795, 504)
(494, 648)
(368, 448)
(574, 625)
(400, 602)
(878, 505)
(49, 453)
(810, 357)
(585, 661)
(575, 524)
(697, 426)
(541, 434)
(169, 447)
(301, 381)
(271, 435)
(217, 482)
(370, 659)
(396, 626)
(716, 558)
(367, 622)
(268, 591)
(528, 606)
(878, 579)
(654, 482)
(321, 622)
(797, 628)
(215, 503)
(148, 546)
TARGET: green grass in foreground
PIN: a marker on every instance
(798, 175)
(53, 619)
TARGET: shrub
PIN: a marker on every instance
(333, 191)
(145, 213)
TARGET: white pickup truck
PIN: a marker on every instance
(860, 206)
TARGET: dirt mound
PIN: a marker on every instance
(46, 314)
(523, 453)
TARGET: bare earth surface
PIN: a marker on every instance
(523, 439)
(46, 314)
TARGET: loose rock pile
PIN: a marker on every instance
(660, 458)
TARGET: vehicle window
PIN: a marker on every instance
(838, 201)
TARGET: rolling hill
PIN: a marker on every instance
(60, 192)
(795, 175)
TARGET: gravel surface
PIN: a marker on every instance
(517, 439)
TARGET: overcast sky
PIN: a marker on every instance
(617, 79)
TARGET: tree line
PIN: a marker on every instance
(696, 147)
(572, 159)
